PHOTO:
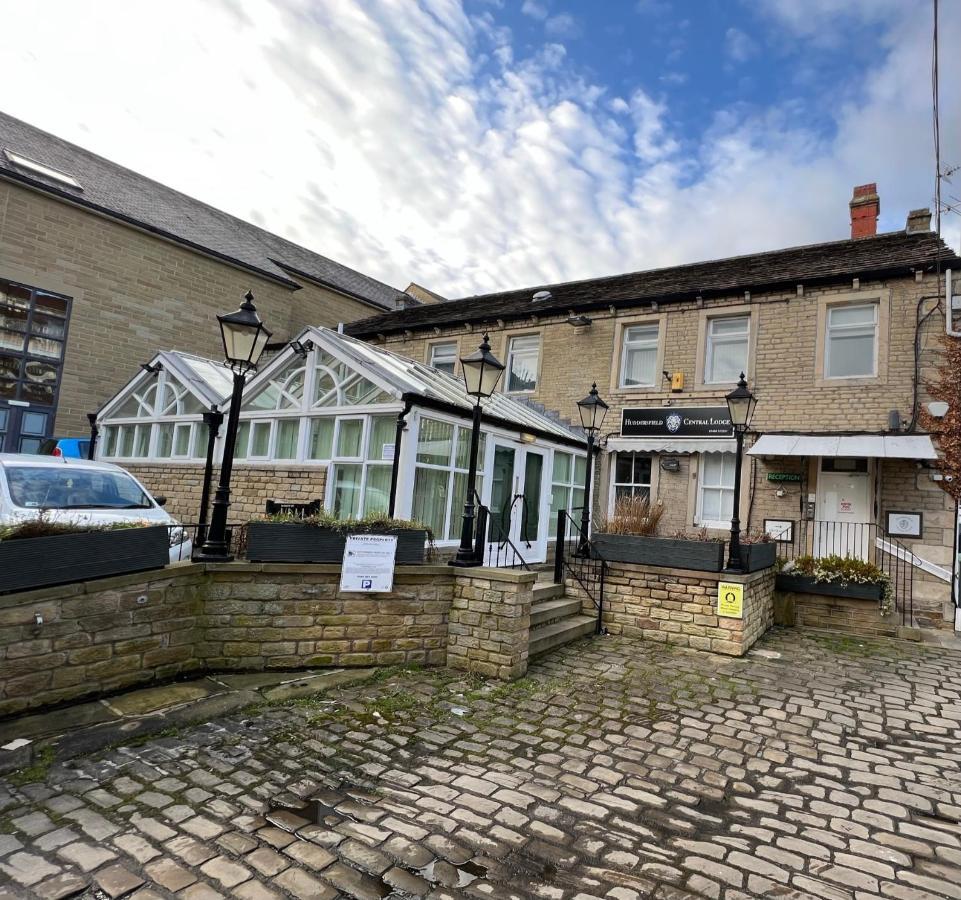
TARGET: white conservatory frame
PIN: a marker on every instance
(370, 385)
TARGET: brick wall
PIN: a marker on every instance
(490, 620)
(135, 294)
(679, 606)
(251, 486)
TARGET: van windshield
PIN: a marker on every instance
(50, 487)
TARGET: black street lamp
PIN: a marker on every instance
(481, 372)
(213, 419)
(593, 411)
(740, 405)
(244, 337)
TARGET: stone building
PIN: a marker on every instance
(101, 267)
(836, 340)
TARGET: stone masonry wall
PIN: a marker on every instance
(490, 621)
(104, 636)
(251, 486)
(679, 606)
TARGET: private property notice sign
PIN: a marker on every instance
(677, 421)
(368, 565)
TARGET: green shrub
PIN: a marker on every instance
(843, 570)
(43, 527)
(372, 522)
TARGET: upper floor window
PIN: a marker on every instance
(727, 349)
(444, 356)
(639, 356)
(523, 356)
(851, 341)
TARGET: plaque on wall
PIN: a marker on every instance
(781, 530)
(904, 524)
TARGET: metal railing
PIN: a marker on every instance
(187, 538)
(577, 557)
(858, 540)
(492, 542)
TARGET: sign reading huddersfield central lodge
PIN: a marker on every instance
(677, 421)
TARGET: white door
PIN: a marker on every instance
(843, 511)
(518, 517)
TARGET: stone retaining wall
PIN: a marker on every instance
(103, 636)
(679, 606)
(842, 615)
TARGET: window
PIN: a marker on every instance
(632, 476)
(39, 168)
(523, 354)
(361, 488)
(716, 490)
(727, 349)
(444, 356)
(440, 476)
(336, 384)
(639, 356)
(567, 486)
(851, 341)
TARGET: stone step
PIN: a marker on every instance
(547, 637)
(547, 591)
(546, 611)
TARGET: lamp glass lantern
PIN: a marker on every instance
(593, 411)
(740, 405)
(481, 371)
(244, 336)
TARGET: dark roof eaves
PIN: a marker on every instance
(144, 226)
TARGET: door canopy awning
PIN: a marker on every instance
(880, 446)
(670, 445)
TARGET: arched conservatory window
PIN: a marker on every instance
(284, 391)
(336, 384)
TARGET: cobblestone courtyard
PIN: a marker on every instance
(816, 766)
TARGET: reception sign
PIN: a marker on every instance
(677, 421)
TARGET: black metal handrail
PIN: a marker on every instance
(188, 537)
(858, 540)
(490, 531)
(575, 555)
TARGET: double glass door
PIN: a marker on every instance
(516, 504)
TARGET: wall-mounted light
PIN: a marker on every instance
(302, 348)
(579, 321)
(152, 368)
(938, 409)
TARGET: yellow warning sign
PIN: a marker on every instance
(730, 600)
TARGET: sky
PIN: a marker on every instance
(487, 145)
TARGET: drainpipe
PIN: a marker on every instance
(395, 465)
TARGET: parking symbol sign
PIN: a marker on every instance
(366, 584)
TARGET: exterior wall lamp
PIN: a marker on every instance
(244, 337)
(481, 372)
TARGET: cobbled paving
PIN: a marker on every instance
(817, 766)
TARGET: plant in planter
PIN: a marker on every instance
(629, 536)
(42, 553)
(840, 576)
(321, 538)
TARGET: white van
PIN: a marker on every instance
(77, 490)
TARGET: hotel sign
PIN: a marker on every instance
(677, 421)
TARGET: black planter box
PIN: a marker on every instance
(30, 563)
(755, 557)
(805, 584)
(703, 556)
(293, 543)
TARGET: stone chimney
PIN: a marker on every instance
(419, 292)
(919, 220)
(865, 207)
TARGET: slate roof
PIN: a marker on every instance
(894, 253)
(123, 194)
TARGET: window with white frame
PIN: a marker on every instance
(567, 486)
(851, 341)
(362, 487)
(440, 476)
(443, 356)
(632, 477)
(639, 356)
(728, 340)
(161, 398)
(337, 384)
(715, 490)
(523, 357)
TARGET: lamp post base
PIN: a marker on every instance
(211, 556)
(464, 563)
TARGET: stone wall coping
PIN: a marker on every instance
(489, 573)
(319, 569)
(736, 577)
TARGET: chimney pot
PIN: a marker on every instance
(865, 208)
(919, 220)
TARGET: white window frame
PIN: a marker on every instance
(449, 348)
(700, 520)
(627, 344)
(572, 484)
(712, 341)
(512, 353)
(615, 484)
(829, 329)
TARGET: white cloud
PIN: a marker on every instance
(738, 46)
(562, 25)
(534, 9)
(415, 142)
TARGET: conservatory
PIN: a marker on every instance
(392, 434)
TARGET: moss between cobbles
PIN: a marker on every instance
(35, 772)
